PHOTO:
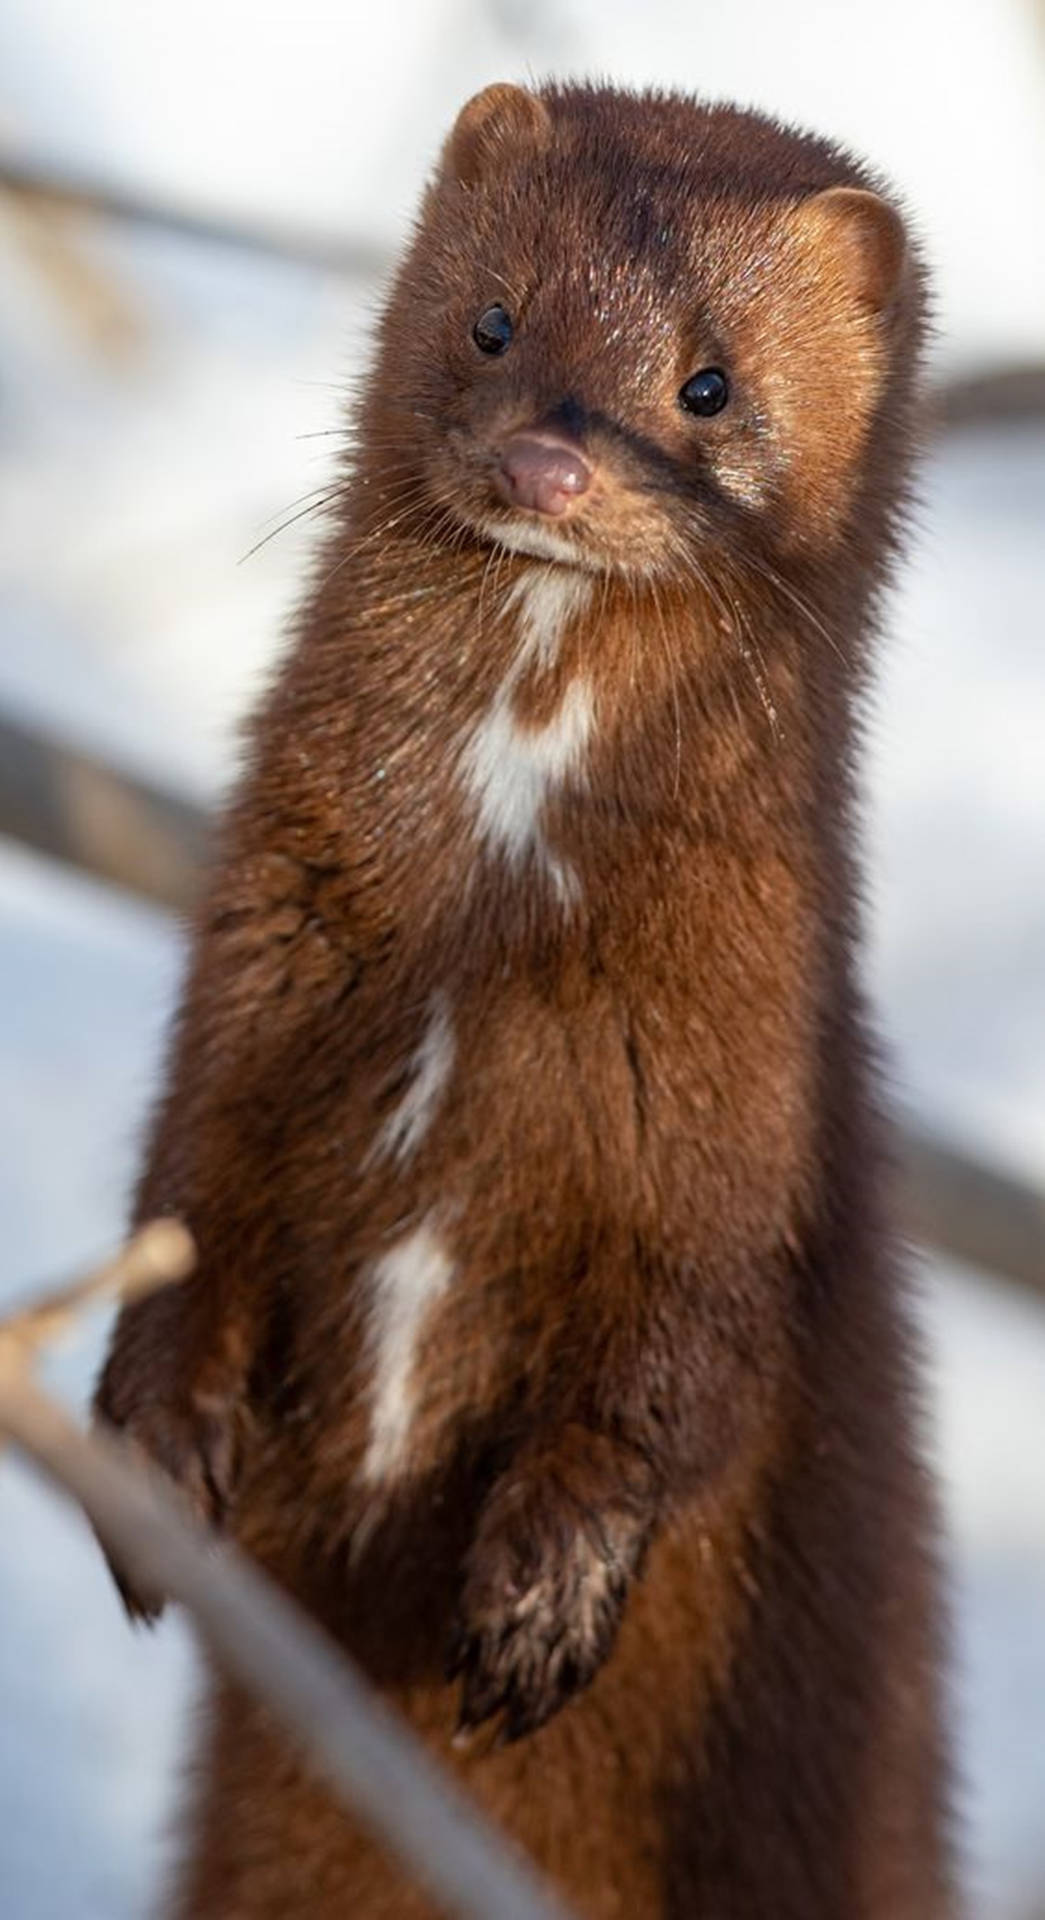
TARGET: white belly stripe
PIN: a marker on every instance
(405, 1283)
(430, 1069)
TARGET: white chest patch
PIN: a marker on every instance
(405, 1284)
(509, 767)
(547, 599)
(429, 1071)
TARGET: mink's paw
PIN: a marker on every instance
(544, 1591)
(196, 1445)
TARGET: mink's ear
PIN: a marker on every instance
(490, 129)
(860, 239)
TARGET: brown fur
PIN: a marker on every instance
(660, 1509)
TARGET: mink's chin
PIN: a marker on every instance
(534, 537)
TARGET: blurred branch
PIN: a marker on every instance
(49, 186)
(976, 1213)
(100, 304)
(1000, 397)
(160, 1253)
(374, 1764)
(124, 830)
(74, 808)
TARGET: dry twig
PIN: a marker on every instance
(371, 1760)
(160, 1253)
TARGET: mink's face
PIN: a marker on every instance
(608, 347)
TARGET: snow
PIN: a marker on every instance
(93, 1714)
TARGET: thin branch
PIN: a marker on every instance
(375, 1765)
(51, 185)
(1002, 396)
(161, 1253)
(979, 1214)
(73, 807)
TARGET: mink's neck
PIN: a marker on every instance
(503, 744)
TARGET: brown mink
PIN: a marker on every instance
(548, 1341)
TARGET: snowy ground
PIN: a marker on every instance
(135, 470)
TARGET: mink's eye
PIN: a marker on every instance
(493, 331)
(706, 393)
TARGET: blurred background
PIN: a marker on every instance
(197, 208)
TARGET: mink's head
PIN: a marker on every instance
(638, 334)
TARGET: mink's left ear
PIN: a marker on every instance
(492, 128)
(860, 238)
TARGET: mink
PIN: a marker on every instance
(549, 1340)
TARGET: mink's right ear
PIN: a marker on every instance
(860, 239)
(490, 129)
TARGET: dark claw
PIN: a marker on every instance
(484, 1694)
(197, 1449)
(456, 1655)
(544, 1592)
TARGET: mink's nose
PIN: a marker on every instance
(542, 473)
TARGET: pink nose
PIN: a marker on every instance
(540, 472)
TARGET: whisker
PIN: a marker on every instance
(776, 580)
(734, 622)
(315, 506)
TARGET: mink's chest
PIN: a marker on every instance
(630, 1075)
(523, 1151)
(546, 1102)
(585, 1101)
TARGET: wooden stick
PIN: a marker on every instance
(979, 1214)
(370, 1759)
(160, 1253)
(75, 808)
(47, 185)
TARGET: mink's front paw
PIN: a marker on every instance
(195, 1442)
(559, 1539)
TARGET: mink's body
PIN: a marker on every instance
(547, 1330)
